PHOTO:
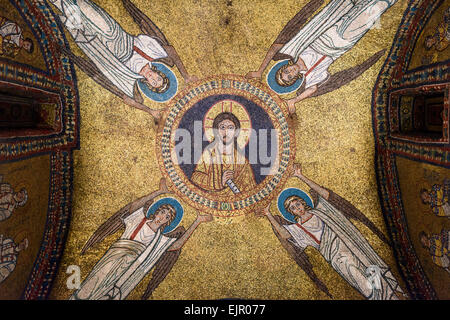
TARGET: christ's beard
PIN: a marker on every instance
(226, 142)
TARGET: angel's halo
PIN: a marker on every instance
(169, 93)
(178, 209)
(288, 193)
(275, 86)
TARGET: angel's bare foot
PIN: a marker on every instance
(401, 295)
(260, 214)
(204, 217)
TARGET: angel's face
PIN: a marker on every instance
(429, 42)
(297, 208)
(162, 217)
(153, 77)
(290, 72)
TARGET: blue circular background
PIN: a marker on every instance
(275, 86)
(178, 208)
(258, 117)
(292, 192)
(161, 97)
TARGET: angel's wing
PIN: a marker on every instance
(164, 265)
(147, 26)
(343, 77)
(92, 71)
(88, 67)
(351, 212)
(295, 24)
(301, 258)
(109, 227)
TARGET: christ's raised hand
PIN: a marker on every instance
(227, 175)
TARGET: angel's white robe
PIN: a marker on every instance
(106, 44)
(7, 203)
(345, 248)
(11, 29)
(332, 32)
(8, 258)
(126, 262)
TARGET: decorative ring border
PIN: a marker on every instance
(223, 84)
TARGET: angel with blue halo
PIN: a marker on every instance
(324, 224)
(151, 239)
(310, 43)
(124, 64)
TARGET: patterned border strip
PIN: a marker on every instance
(56, 229)
(226, 208)
(412, 272)
(431, 74)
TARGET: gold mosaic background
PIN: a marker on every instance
(238, 258)
(421, 218)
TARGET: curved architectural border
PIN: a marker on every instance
(59, 79)
(394, 76)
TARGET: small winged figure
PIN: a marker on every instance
(118, 61)
(326, 227)
(312, 46)
(142, 247)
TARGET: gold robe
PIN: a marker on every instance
(211, 166)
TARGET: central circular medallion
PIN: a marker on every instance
(226, 145)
